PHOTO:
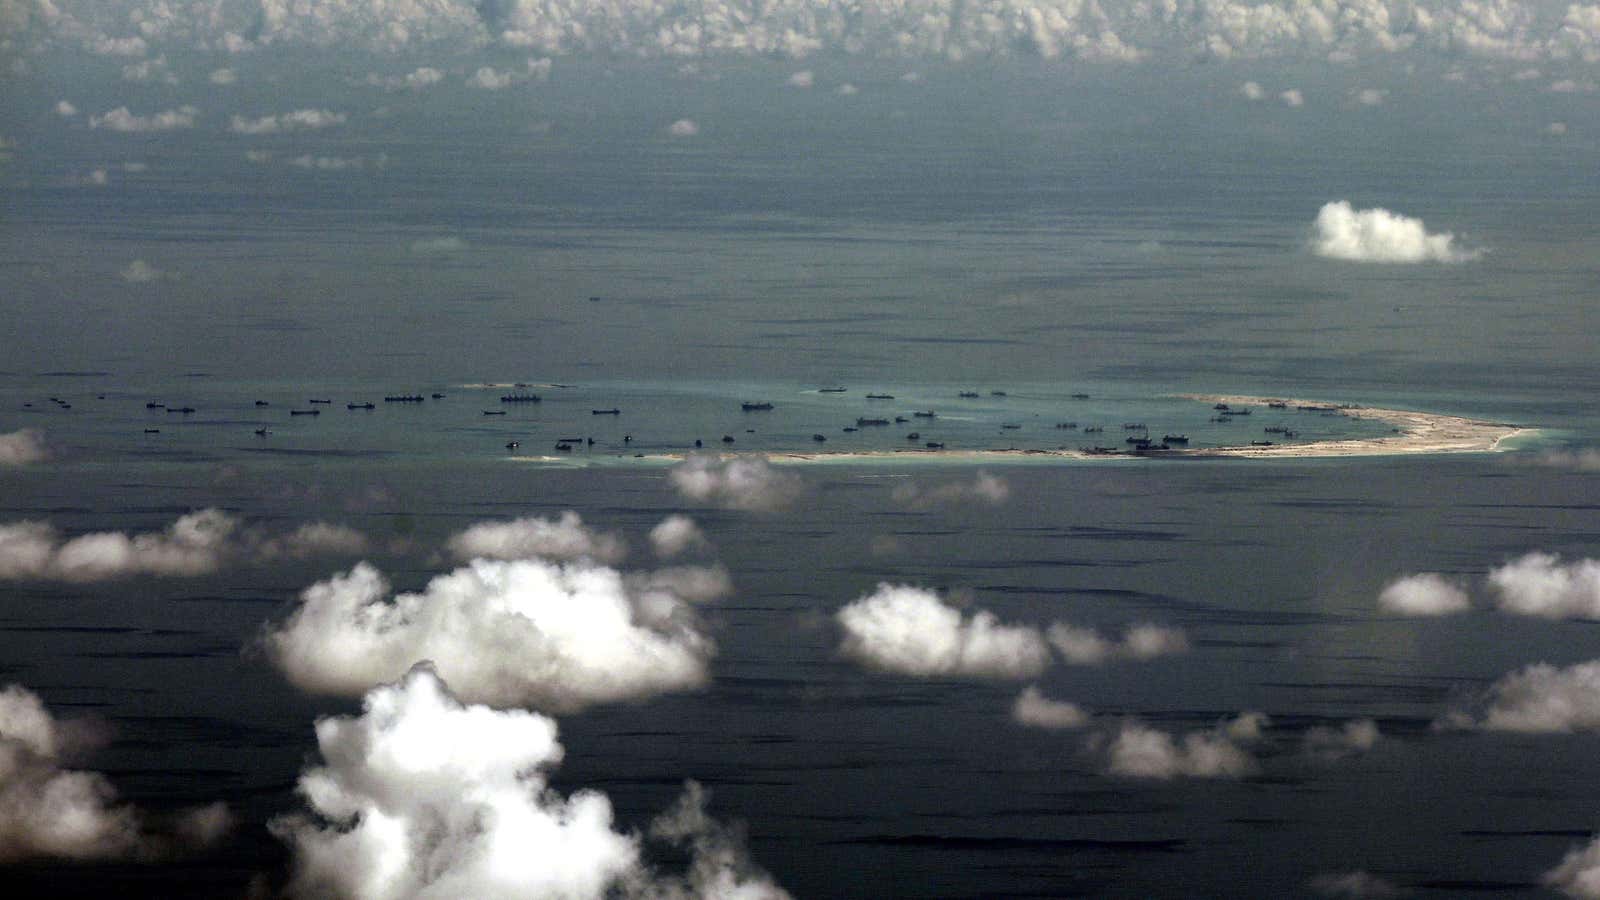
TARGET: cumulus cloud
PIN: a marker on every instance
(141, 272)
(675, 535)
(65, 110)
(1379, 236)
(524, 632)
(490, 80)
(1251, 91)
(1139, 751)
(298, 120)
(196, 544)
(984, 488)
(1540, 584)
(48, 810)
(1578, 874)
(328, 163)
(1357, 885)
(424, 796)
(565, 538)
(417, 79)
(1537, 699)
(149, 70)
(1087, 647)
(911, 631)
(683, 128)
(120, 119)
(1424, 594)
(801, 79)
(1372, 96)
(222, 77)
(1327, 744)
(1293, 98)
(20, 448)
(741, 482)
(1035, 709)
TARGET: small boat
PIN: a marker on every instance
(563, 448)
(850, 428)
(880, 396)
(914, 436)
(1261, 443)
(934, 445)
(1220, 407)
(262, 403)
(438, 396)
(755, 407)
(727, 439)
(997, 393)
(494, 412)
(1010, 427)
(1134, 426)
(1093, 429)
(1277, 404)
(152, 431)
(832, 390)
(968, 395)
(925, 414)
(521, 398)
(512, 445)
(1139, 441)
(1237, 412)
(1175, 439)
(1080, 396)
(262, 432)
(863, 421)
(819, 438)
(1067, 425)
(359, 406)
(185, 410)
(613, 411)
(305, 412)
(403, 398)
(319, 401)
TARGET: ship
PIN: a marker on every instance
(755, 407)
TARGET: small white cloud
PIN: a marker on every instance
(222, 77)
(1556, 128)
(50, 811)
(299, 120)
(20, 448)
(741, 482)
(801, 79)
(910, 631)
(508, 633)
(986, 489)
(566, 538)
(488, 79)
(1372, 96)
(1035, 709)
(1569, 86)
(65, 110)
(120, 119)
(196, 544)
(1540, 584)
(1379, 236)
(1251, 91)
(1425, 594)
(676, 534)
(416, 79)
(847, 90)
(1086, 647)
(328, 163)
(102, 45)
(1292, 98)
(683, 128)
(1332, 744)
(1139, 751)
(1578, 874)
(1356, 885)
(1538, 699)
(97, 177)
(140, 272)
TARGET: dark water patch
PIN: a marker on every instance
(74, 374)
(70, 629)
(178, 731)
(1014, 844)
(217, 598)
(206, 653)
(988, 565)
(1102, 533)
(1467, 884)
(1223, 643)
(1579, 833)
(1261, 822)
(321, 453)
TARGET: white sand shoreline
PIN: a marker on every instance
(1413, 433)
